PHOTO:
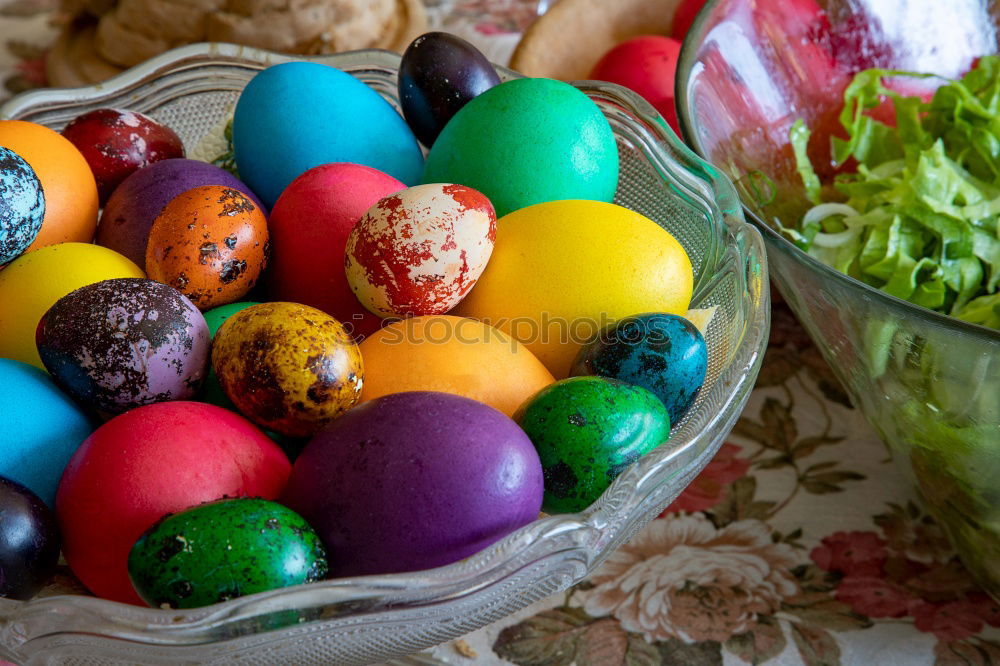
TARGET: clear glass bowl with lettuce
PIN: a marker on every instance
(864, 138)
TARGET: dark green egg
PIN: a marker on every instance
(222, 550)
(587, 430)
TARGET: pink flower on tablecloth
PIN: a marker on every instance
(33, 71)
(986, 607)
(874, 597)
(854, 554)
(709, 487)
(952, 621)
(684, 578)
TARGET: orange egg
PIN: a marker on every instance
(67, 181)
(210, 244)
(452, 355)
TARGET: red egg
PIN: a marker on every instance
(309, 226)
(684, 17)
(148, 462)
(646, 65)
(117, 143)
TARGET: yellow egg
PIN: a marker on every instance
(562, 270)
(33, 282)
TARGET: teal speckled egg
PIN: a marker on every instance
(528, 141)
(222, 550)
(587, 430)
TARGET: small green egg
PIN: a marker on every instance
(222, 550)
(587, 430)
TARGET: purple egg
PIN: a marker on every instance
(132, 207)
(118, 344)
(415, 480)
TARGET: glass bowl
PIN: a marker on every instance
(929, 384)
(378, 617)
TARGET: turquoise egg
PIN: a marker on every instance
(222, 550)
(587, 430)
(528, 141)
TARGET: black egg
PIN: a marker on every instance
(29, 541)
(438, 75)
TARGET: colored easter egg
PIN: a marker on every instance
(131, 209)
(527, 141)
(420, 251)
(415, 480)
(119, 344)
(297, 115)
(146, 463)
(663, 353)
(587, 430)
(438, 74)
(29, 542)
(209, 243)
(70, 190)
(33, 282)
(223, 550)
(22, 205)
(453, 355)
(562, 270)
(309, 227)
(288, 367)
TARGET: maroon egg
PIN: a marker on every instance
(29, 541)
(415, 480)
(118, 143)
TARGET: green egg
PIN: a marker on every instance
(587, 430)
(527, 141)
(222, 550)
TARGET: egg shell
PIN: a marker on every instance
(420, 251)
(527, 141)
(562, 270)
(33, 282)
(451, 355)
(223, 550)
(145, 463)
(684, 17)
(131, 209)
(40, 429)
(438, 74)
(288, 367)
(22, 205)
(29, 542)
(211, 390)
(662, 353)
(587, 430)
(647, 65)
(309, 226)
(415, 480)
(70, 191)
(119, 344)
(297, 115)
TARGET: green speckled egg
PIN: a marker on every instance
(528, 141)
(587, 430)
(223, 550)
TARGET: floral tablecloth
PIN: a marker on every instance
(800, 543)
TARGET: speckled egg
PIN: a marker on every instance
(210, 243)
(420, 251)
(227, 549)
(22, 205)
(288, 367)
(661, 352)
(587, 430)
(118, 344)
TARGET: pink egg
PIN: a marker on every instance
(420, 251)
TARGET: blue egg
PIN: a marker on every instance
(40, 430)
(22, 205)
(663, 353)
(298, 115)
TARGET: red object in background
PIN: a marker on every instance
(145, 463)
(646, 65)
(684, 17)
(118, 143)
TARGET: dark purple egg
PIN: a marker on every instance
(29, 541)
(415, 480)
(129, 213)
(438, 75)
(119, 344)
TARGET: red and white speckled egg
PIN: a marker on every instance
(421, 250)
